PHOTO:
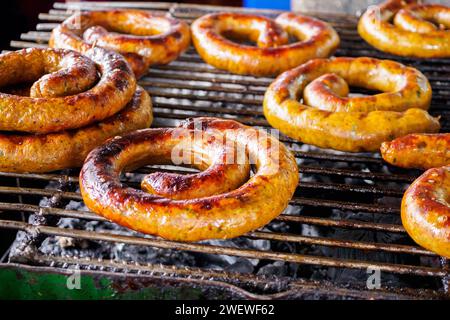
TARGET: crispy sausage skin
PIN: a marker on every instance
(143, 38)
(210, 216)
(70, 73)
(422, 151)
(410, 34)
(273, 53)
(426, 210)
(333, 120)
(67, 149)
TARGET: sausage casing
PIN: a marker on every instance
(350, 123)
(106, 97)
(422, 151)
(410, 35)
(69, 148)
(219, 216)
(273, 54)
(426, 210)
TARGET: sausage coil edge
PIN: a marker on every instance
(105, 98)
(143, 38)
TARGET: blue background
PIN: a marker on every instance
(268, 4)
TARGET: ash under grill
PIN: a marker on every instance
(343, 220)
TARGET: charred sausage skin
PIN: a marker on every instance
(426, 210)
(219, 216)
(421, 151)
(426, 203)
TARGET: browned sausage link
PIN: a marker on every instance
(422, 151)
(221, 172)
(426, 210)
(219, 216)
(273, 53)
(109, 95)
(425, 205)
(264, 32)
(144, 38)
(66, 149)
(66, 75)
(410, 34)
(217, 178)
(330, 119)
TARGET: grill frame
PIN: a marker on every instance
(240, 98)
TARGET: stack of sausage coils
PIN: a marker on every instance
(84, 91)
(81, 100)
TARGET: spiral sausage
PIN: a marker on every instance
(422, 151)
(273, 54)
(410, 35)
(71, 95)
(333, 120)
(220, 216)
(143, 38)
(70, 72)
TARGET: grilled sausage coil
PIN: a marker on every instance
(220, 212)
(68, 107)
(328, 118)
(69, 111)
(143, 38)
(273, 53)
(410, 34)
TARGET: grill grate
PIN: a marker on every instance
(341, 196)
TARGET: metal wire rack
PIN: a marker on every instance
(339, 194)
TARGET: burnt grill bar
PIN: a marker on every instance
(334, 188)
(291, 287)
(203, 248)
(260, 235)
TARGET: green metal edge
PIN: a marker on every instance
(31, 284)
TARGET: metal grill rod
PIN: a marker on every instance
(203, 248)
(256, 235)
(299, 285)
(341, 223)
